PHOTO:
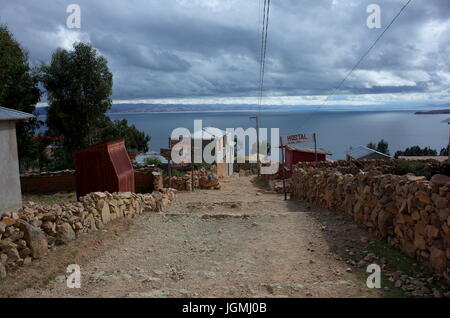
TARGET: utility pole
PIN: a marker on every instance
(257, 143)
(448, 122)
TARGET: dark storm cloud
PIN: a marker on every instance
(190, 48)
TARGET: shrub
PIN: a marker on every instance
(153, 161)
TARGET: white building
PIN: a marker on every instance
(10, 193)
(215, 141)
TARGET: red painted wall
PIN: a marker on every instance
(47, 184)
(293, 157)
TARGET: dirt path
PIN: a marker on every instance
(236, 242)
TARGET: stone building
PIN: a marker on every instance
(10, 193)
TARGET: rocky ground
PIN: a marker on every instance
(240, 241)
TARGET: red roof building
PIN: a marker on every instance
(296, 154)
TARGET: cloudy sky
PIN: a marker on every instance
(207, 51)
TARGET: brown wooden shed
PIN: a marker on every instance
(103, 167)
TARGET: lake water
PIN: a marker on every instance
(336, 130)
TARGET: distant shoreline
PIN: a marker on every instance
(263, 110)
(433, 112)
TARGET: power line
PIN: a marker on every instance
(265, 50)
(362, 57)
(258, 44)
(262, 61)
(265, 25)
(261, 49)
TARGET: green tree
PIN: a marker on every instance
(382, 146)
(443, 152)
(372, 145)
(135, 140)
(79, 86)
(153, 161)
(19, 90)
(416, 151)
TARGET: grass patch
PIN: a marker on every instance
(416, 167)
(396, 259)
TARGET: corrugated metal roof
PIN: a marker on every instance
(212, 133)
(361, 152)
(308, 149)
(12, 114)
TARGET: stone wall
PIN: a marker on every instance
(203, 179)
(389, 166)
(411, 212)
(27, 234)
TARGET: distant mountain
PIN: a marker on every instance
(146, 108)
(150, 108)
(433, 112)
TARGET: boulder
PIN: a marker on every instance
(2, 272)
(35, 238)
(208, 182)
(99, 195)
(49, 217)
(49, 227)
(438, 259)
(419, 242)
(89, 222)
(6, 245)
(13, 255)
(7, 221)
(440, 179)
(64, 233)
(3, 258)
(125, 195)
(414, 178)
(423, 197)
(103, 210)
(384, 221)
(439, 202)
(24, 252)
